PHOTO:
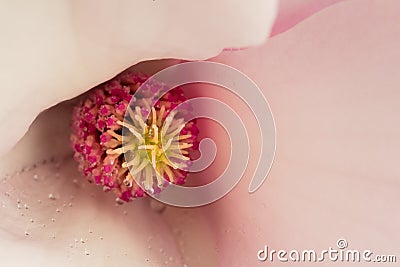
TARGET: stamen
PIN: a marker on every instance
(155, 130)
(167, 145)
(181, 146)
(168, 121)
(139, 168)
(160, 115)
(178, 156)
(155, 149)
(184, 136)
(169, 173)
(154, 119)
(151, 147)
(113, 134)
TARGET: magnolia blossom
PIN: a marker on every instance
(331, 81)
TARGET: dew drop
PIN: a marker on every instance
(32, 220)
(87, 253)
(58, 210)
(52, 197)
(26, 233)
(35, 177)
(82, 241)
(157, 206)
(53, 219)
(26, 206)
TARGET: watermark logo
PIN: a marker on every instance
(204, 107)
(339, 254)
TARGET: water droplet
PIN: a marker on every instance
(32, 220)
(52, 197)
(35, 177)
(53, 219)
(161, 250)
(87, 253)
(26, 233)
(71, 245)
(70, 204)
(19, 206)
(157, 206)
(58, 210)
(82, 241)
(101, 238)
(26, 206)
(119, 201)
(171, 259)
(90, 231)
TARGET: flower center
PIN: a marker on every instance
(153, 148)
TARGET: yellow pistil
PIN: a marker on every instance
(155, 147)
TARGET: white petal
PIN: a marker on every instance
(52, 51)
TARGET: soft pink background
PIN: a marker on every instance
(332, 83)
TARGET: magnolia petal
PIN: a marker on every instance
(45, 201)
(292, 12)
(53, 51)
(332, 83)
(52, 216)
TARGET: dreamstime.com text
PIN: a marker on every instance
(341, 254)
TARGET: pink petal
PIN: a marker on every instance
(332, 83)
(292, 12)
